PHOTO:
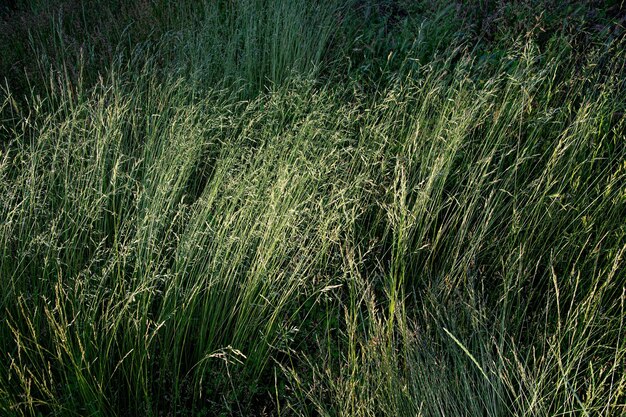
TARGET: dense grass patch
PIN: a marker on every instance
(254, 207)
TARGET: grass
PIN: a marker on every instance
(378, 208)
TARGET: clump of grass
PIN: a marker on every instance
(494, 283)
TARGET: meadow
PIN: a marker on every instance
(312, 208)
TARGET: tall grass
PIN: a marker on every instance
(216, 225)
(494, 284)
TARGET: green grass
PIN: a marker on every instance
(296, 208)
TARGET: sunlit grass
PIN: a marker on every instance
(201, 233)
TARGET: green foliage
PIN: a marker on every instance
(254, 207)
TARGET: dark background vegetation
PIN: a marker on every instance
(37, 37)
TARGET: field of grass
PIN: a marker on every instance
(312, 208)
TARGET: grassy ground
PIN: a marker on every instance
(303, 208)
